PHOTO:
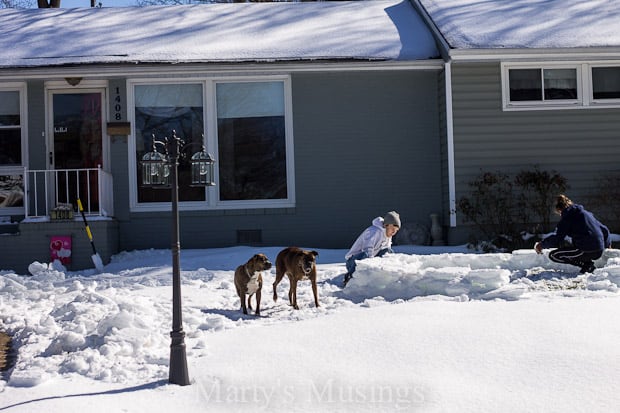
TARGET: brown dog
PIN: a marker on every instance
(299, 265)
(248, 280)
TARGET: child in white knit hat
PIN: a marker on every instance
(375, 241)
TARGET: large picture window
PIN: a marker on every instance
(251, 141)
(159, 110)
(243, 122)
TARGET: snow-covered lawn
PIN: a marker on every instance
(425, 329)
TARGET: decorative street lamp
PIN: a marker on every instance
(160, 171)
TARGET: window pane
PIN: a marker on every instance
(251, 141)
(606, 82)
(11, 191)
(10, 131)
(9, 108)
(10, 147)
(525, 84)
(560, 84)
(160, 109)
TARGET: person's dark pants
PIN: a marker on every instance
(361, 256)
(575, 256)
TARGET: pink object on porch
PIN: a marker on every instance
(60, 249)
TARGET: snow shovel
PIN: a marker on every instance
(95, 257)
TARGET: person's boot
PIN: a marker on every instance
(588, 267)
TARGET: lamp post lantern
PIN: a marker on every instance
(161, 170)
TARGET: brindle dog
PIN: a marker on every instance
(298, 265)
(249, 281)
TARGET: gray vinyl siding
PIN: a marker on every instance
(364, 143)
(378, 136)
(580, 144)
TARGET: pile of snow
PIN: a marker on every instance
(474, 276)
(432, 328)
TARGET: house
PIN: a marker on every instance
(530, 82)
(320, 116)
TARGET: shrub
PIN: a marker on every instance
(604, 199)
(539, 190)
(503, 209)
(491, 206)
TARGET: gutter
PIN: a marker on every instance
(529, 54)
(103, 70)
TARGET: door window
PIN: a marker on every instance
(77, 130)
(77, 147)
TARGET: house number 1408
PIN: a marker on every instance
(117, 104)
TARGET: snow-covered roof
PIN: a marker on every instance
(389, 30)
(533, 24)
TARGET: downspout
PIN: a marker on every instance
(450, 144)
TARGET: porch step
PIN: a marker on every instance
(31, 242)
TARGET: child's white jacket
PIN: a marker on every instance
(371, 241)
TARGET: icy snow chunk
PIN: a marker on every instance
(41, 270)
(485, 280)
(120, 320)
(613, 273)
(29, 377)
(66, 341)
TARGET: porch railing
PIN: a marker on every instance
(46, 190)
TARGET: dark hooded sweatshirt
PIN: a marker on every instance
(587, 233)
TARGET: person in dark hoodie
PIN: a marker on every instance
(589, 236)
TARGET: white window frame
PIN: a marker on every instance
(540, 104)
(607, 103)
(585, 95)
(19, 87)
(212, 201)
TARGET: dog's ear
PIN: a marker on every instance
(314, 253)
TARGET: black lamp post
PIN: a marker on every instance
(161, 170)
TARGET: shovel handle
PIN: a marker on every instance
(86, 227)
